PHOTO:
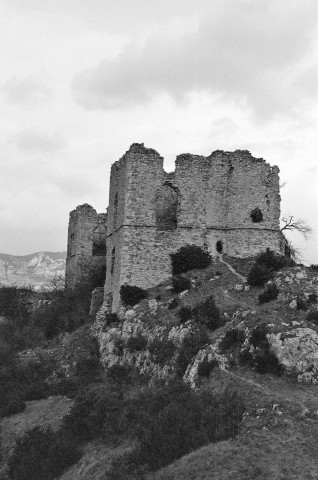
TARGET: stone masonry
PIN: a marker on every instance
(227, 202)
(86, 244)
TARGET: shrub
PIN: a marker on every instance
(42, 454)
(87, 367)
(131, 295)
(180, 284)
(136, 344)
(185, 313)
(259, 275)
(264, 360)
(270, 293)
(312, 298)
(314, 266)
(271, 260)
(173, 420)
(190, 346)
(208, 314)
(161, 350)
(97, 407)
(301, 304)
(173, 304)
(312, 316)
(206, 367)
(232, 338)
(189, 257)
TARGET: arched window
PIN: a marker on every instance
(112, 266)
(256, 215)
(219, 246)
(166, 208)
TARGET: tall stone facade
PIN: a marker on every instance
(227, 202)
(86, 244)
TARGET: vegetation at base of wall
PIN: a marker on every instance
(131, 295)
(161, 350)
(188, 258)
(266, 263)
(136, 343)
(180, 284)
(42, 454)
(314, 266)
(259, 275)
(270, 293)
(272, 260)
(312, 316)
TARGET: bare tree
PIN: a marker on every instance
(296, 225)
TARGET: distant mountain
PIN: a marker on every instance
(36, 269)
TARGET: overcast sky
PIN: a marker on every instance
(83, 79)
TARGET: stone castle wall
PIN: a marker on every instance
(86, 244)
(227, 197)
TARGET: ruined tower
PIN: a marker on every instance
(86, 244)
(228, 202)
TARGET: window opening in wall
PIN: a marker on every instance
(112, 261)
(72, 237)
(219, 246)
(166, 207)
(115, 209)
(99, 241)
(256, 215)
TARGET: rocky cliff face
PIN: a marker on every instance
(36, 270)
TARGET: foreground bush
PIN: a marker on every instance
(94, 409)
(208, 314)
(233, 338)
(270, 293)
(42, 454)
(173, 420)
(131, 295)
(188, 258)
(190, 346)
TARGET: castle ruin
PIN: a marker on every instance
(227, 202)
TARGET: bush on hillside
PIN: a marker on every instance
(42, 454)
(185, 314)
(172, 420)
(208, 314)
(161, 350)
(190, 346)
(97, 407)
(301, 303)
(312, 316)
(173, 304)
(233, 338)
(271, 260)
(314, 266)
(270, 293)
(136, 343)
(180, 284)
(313, 298)
(206, 367)
(259, 275)
(188, 258)
(131, 295)
(263, 360)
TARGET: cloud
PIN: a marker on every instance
(25, 91)
(38, 142)
(248, 51)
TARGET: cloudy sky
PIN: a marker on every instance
(83, 79)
